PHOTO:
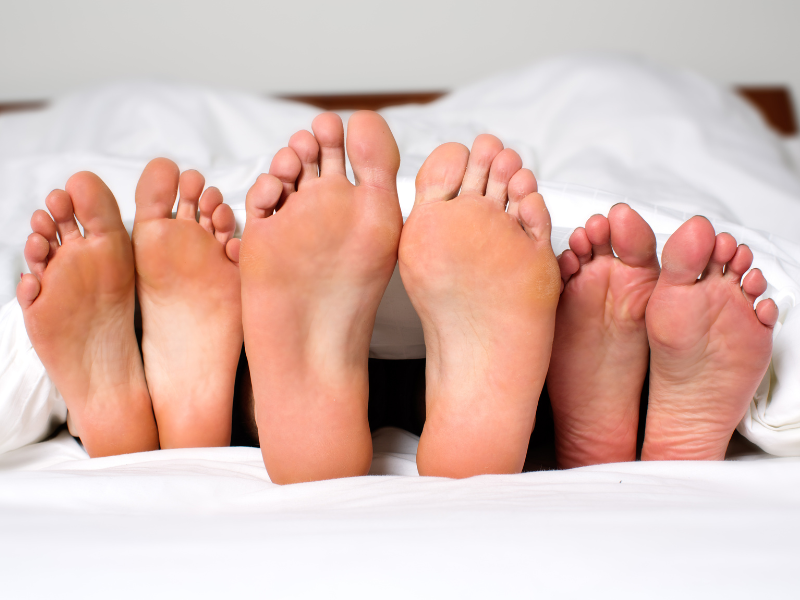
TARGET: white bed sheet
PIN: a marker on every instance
(207, 522)
(203, 523)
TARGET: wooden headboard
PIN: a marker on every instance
(774, 103)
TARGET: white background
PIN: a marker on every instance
(316, 46)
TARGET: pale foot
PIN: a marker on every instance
(600, 350)
(313, 274)
(187, 278)
(708, 348)
(485, 284)
(78, 305)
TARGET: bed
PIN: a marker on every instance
(207, 522)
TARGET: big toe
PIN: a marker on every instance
(442, 173)
(94, 204)
(157, 190)
(687, 252)
(373, 151)
(631, 237)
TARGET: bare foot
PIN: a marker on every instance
(78, 305)
(187, 277)
(600, 349)
(709, 348)
(485, 284)
(313, 274)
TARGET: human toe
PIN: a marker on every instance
(59, 204)
(42, 223)
(535, 218)
(767, 312)
(504, 167)
(740, 263)
(485, 149)
(224, 223)
(598, 231)
(329, 133)
(754, 285)
(373, 151)
(208, 203)
(28, 290)
(724, 250)
(94, 204)
(580, 245)
(263, 197)
(522, 184)
(631, 237)
(306, 147)
(156, 190)
(286, 166)
(190, 187)
(37, 251)
(687, 252)
(441, 174)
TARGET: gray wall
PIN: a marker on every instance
(314, 46)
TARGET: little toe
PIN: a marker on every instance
(632, 238)
(209, 202)
(598, 231)
(504, 167)
(485, 149)
(373, 152)
(42, 223)
(767, 312)
(306, 147)
(232, 249)
(286, 166)
(724, 250)
(440, 176)
(754, 285)
(535, 218)
(329, 131)
(263, 197)
(95, 206)
(28, 290)
(580, 245)
(738, 265)
(687, 252)
(190, 187)
(60, 206)
(37, 251)
(522, 184)
(224, 223)
(156, 190)
(568, 264)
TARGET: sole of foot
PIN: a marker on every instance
(187, 278)
(317, 254)
(600, 350)
(485, 283)
(78, 304)
(709, 348)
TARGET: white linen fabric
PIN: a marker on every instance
(207, 523)
(201, 522)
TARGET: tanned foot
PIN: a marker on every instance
(600, 350)
(187, 278)
(709, 349)
(78, 305)
(485, 284)
(313, 274)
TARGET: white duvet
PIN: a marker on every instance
(208, 522)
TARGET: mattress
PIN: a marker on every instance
(207, 522)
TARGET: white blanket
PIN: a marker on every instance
(207, 522)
